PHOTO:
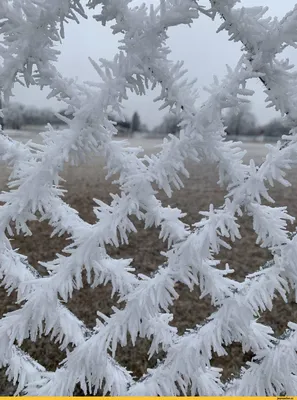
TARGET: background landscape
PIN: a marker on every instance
(238, 122)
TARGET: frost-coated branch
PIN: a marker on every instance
(263, 38)
(35, 186)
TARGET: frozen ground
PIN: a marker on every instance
(87, 182)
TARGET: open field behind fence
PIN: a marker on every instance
(87, 182)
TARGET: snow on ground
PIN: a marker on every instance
(255, 150)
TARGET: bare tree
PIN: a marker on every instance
(240, 121)
(135, 123)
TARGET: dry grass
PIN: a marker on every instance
(83, 185)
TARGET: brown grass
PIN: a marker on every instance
(87, 182)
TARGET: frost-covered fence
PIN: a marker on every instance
(29, 29)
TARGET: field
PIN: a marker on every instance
(87, 182)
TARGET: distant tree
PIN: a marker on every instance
(14, 115)
(170, 124)
(135, 123)
(144, 128)
(241, 121)
(275, 128)
(40, 116)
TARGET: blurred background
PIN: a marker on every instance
(239, 123)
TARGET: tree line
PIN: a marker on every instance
(239, 122)
(17, 116)
(242, 122)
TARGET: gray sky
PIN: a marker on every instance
(204, 52)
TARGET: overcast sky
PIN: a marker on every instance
(204, 51)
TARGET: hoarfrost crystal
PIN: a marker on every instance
(30, 30)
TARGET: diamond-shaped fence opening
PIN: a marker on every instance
(178, 361)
